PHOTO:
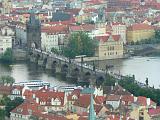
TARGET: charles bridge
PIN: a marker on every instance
(69, 67)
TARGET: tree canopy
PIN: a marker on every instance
(130, 85)
(2, 114)
(10, 105)
(7, 79)
(80, 44)
(7, 57)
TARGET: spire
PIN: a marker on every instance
(33, 20)
(92, 115)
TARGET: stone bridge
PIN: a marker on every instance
(68, 67)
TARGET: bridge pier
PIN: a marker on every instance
(70, 69)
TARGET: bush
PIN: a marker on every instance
(7, 57)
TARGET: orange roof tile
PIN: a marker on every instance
(113, 98)
(55, 29)
(140, 27)
(27, 108)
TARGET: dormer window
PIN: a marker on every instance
(19, 110)
(30, 111)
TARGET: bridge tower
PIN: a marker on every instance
(33, 28)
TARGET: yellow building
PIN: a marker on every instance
(140, 113)
(138, 32)
(109, 47)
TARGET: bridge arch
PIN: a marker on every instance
(99, 80)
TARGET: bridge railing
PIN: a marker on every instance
(86, 66)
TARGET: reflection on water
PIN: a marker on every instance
(141, 67)
(24, 72)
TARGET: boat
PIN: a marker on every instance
(33, 83)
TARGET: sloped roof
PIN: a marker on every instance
(55, 29)
(83, 101)
(113, 98)
(105, 38)
(5, 90)
(154, 112)
(140, 26)
(47, 95)
(99, 99)
(27, 108)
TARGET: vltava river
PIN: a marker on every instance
(25, 72)
(141, 67)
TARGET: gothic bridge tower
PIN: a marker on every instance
(33, 29)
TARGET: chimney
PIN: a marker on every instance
(45, 87)
(148, 100)
(111, 87)
(34, 96)
(113, 116)
(135, 99)
(37, 100)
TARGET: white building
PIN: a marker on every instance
(21, 34)
(54, 37)
(113, 100)
(6, 38)
(119, 29)
(5, 42)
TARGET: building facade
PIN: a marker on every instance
(54, 37)
(6, 38)
(119, 29)
(138, 32)
(109, 47)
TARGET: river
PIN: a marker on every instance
(141, 67)
(24, 72)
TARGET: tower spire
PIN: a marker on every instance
(92, 115)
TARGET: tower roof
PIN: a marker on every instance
(92, 115)
(33, 20)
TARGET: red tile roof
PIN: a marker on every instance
(143, 101)
(113, 98)
(55, 29)
(99, 99)
(98, 108)
(27, 108)
(5, 90)
(154, 112)
(49, 116)
(47, 96)
(105, 38)
(128, 99)
(140, 26)
(85, 27)
(75, 92)
(83, 101)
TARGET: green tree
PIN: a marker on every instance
(10, 105)
(80, 44)
(54, 50)
(2, 114)
(157, 34)
(33, 117)
(7, 57)
(4, 100)
(7, 79)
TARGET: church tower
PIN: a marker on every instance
(92, 115)
(33, 28)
